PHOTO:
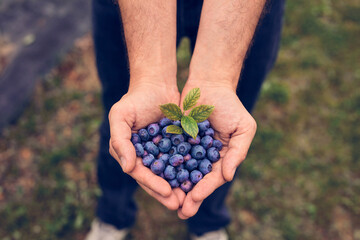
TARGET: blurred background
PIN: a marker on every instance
(301, 179)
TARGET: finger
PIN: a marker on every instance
(190, 207)
(208, 184)
(118, 158)
(238, 149)
(120, 131)
(180, 195)
(181, 215)
(144, 176)
(171, 202)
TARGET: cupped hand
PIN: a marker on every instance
(234, 127)
(135, 110)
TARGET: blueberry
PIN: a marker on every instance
(165, 122)
(139, 149)
(209, 132)
(169, 172)
(144, 135)
(206, 142)
(153, 129)
(157, 166)
(165, 157)
(177, 123)
(194, 141)
(176, 160)
(164, 145)
(177, 139)
(172, 150)
(162, 175)
(174, 183)
(186, 186)
(195, 176)
(198, 152)
(217, 144)
(165, 134)
(157, 139)
(147, 160)
(213, 154)
(135, 138)
(181, 166)
(187, 157)
(145, 153)
(191, 164)
(205, 166)
(151, 148)
(203, 126)
(182, 175)
(183, 148)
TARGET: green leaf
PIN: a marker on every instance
(190, 126)
(174, 129)
(171, 111)
(191, 98)
(201, 113)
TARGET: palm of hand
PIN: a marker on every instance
(142, 105)
(137, 109)
(235, 128)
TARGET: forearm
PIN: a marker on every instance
(225, 33)
(150, 34)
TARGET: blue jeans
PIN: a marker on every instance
(116, 206)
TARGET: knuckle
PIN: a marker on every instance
(243, 156)
(196, 196)
(253, 124)
(115, 145)
(113, 109)
(172, 206)
(229, 178)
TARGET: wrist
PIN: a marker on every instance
(154, 74)
(210, 79)
(156, 70)
(215, 73)
(154, 82)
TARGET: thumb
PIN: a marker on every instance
(238, 147)
(121, 147)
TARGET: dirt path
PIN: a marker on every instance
(39, 32)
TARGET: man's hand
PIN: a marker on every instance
(225, 32)
(150, 34)
(137, 109)
(234, 127)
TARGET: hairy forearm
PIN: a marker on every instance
(150, 34)
(225, 33)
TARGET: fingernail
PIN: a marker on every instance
(123, 162)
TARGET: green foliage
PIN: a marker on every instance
(171, 111)
(201, 113)
(191, 98)
(174, 129)
(189, 125)
(276, 92)
(197, 114)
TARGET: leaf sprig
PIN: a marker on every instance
(188, 122)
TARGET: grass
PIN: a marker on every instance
(301, 179)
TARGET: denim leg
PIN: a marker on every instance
(213, 213)
(116, 206)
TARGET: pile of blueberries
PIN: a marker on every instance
(178, 158)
